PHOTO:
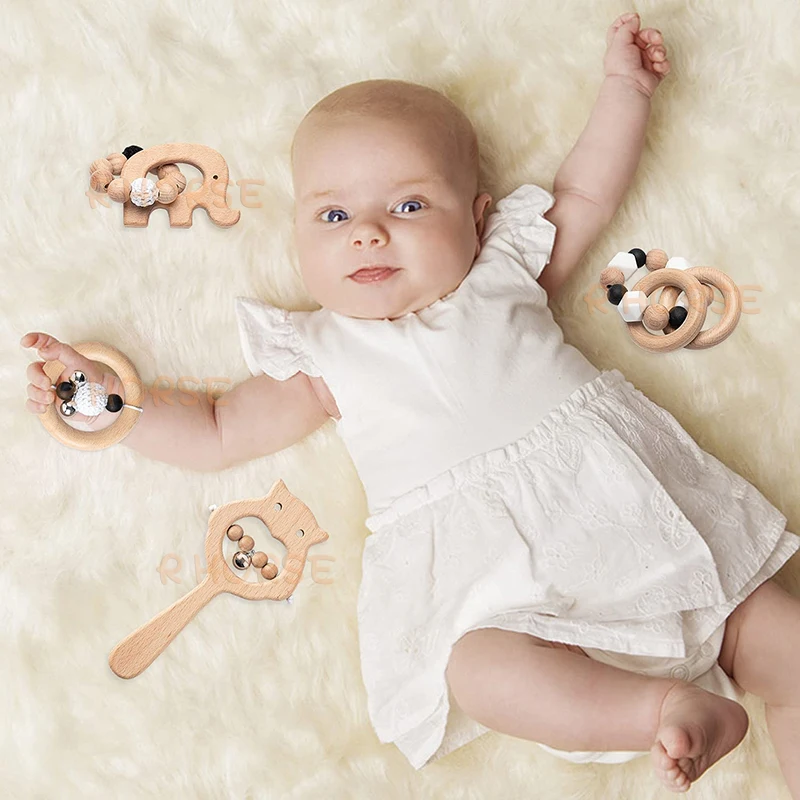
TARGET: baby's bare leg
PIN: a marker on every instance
(526, 687)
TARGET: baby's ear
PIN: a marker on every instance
(482, 202)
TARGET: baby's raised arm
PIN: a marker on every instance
(592, 181)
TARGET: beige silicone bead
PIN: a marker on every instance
(269, 571)
(235, 532)
(656, 259)
(117, 161)
(260, 560)
(610, 276)
(656, 317)
(246, 543)
(100, 163)
(118, 191)
(167, 192)
(100, 179)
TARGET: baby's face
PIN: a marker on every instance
(374, 216)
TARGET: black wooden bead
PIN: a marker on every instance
(131, 150)
(677, 315)
(114, 403)
(639, 255)
(65, 390)
(615, 293)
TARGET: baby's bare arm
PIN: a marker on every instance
(590, 184)
(263, 415)
(258, 417)
(603, 161)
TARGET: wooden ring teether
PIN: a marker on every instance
(731, 295)
(128, 417)
(689, 329)
(288, 519)
(681, 324)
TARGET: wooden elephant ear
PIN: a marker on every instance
(212, 194)
(287, 518)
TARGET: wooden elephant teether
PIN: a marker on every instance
(140, 195)
(681, 325)
(288, 519)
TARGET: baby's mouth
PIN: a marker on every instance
(372, 274)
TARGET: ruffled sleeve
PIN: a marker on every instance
(270, 342)
(532, 235)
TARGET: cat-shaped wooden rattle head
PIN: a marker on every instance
(288, 519)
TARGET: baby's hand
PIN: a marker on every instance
(40, 391)
(638, 55)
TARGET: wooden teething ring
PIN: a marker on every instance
(287, 518)
(696, 313)
(128, 417)
(730, 316)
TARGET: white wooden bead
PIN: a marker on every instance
(678, 262)
(625, 262)
(632, 306)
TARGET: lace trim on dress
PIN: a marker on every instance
(270, 342)
(533, 235)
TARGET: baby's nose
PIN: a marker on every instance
(369, 232)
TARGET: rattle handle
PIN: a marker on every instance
(136, 652)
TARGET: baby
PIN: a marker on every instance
(552, 556)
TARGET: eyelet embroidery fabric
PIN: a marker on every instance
(532, 234)
(270, 342)
(606, 526)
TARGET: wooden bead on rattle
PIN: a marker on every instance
(118, 190)
(100, 179)
(656, 259)
(167, 192)
(656, 317)
(101, 163)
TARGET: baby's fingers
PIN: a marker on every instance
(39, 399)
(37, 376)
(649, 36)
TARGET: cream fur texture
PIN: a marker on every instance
(262, 699)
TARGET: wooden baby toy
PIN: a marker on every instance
(681, 325)
(140, 195)
(79, 395)
(289, 520)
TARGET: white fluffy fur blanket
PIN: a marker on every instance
(264, 700)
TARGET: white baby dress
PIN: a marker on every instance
(512, 484)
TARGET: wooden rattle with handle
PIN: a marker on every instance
(288, 519)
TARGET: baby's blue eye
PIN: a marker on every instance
(410, 201)
(339, 211)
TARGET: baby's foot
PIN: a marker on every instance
(695, 730)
